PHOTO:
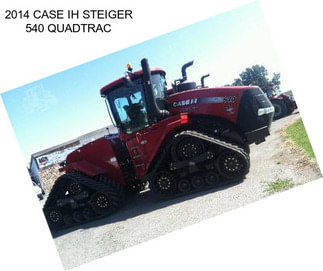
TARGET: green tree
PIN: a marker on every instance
(257, 76)
(237, 82)
(276, 79)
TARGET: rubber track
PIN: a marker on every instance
(202, 136)
(105, 186)
(219, 142)
(207, 138)
(204, 188)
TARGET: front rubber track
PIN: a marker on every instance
(112, 190)
(217, 147)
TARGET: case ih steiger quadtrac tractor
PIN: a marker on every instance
(283, 103)
(180, 140)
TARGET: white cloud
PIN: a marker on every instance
(37, 99)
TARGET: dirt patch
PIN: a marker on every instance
(290, 154)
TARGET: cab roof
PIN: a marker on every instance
(133, 75)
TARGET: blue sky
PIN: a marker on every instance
(67, 104)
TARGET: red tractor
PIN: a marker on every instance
(179, 140)
(284, 104)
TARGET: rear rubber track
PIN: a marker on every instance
(112, 189)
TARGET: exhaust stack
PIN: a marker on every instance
(202, 80)
(184, 67)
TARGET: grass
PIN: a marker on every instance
(279, 185)
(297, 134)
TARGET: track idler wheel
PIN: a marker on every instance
(78, 216)
(184, 186)
(164, 183)
(74, 187)
(54, 217)
(232, 164)
(68, 219)
(212, 179)
(197, 182)
(187, 148)
(101, 204)
(88, 213)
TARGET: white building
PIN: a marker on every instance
(57, 154)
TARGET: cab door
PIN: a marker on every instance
(144, 145)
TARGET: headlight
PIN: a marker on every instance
(266, 110)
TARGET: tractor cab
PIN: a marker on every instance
(137, 100)
(273, 91)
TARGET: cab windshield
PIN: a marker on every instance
(273, 92)
(277, 91)
(127, 106)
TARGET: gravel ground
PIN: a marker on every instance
(144, 218)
